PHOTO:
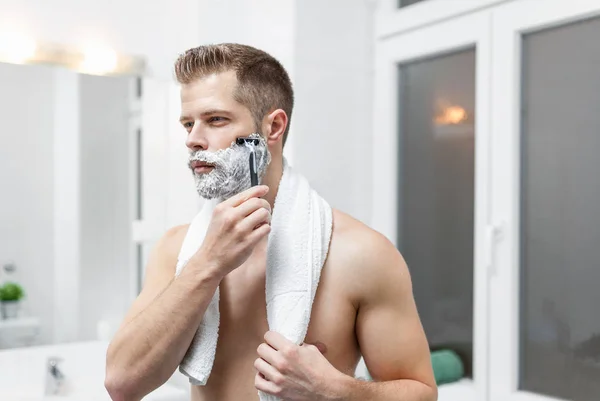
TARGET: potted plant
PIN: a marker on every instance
(10, 297)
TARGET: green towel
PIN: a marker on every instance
(447, 366)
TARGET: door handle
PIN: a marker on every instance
(493, 234)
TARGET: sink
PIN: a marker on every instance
(23, 374)
(163, 393)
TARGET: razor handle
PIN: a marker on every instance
(253, 170)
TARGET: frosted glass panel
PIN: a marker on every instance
(436, 194)
(560, 232)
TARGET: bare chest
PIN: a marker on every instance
(244, 323)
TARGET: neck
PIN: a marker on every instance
(272, 179)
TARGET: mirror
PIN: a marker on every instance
(93, 170)
(70, 173)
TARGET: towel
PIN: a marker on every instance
(297, 247)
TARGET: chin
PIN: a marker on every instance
(208, 195)
(220, 192)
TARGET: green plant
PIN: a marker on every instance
(11, 292)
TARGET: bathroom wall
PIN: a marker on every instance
(333, 82)
(26, 182)
(266, 24)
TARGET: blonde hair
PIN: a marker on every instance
(263, 85)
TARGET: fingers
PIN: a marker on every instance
(254, 192)
(277, 341)
(268, 354)
(267, 371)
(265, 385)
(258, 218)
(248, 207)
(255, 236)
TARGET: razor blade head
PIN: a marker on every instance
(243, 140)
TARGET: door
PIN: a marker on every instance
(544, 326)
(430, 179)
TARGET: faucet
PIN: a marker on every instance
(54, 376)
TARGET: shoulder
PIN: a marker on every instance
(360, 245)
(370, 264)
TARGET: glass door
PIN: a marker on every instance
(544, 326)
(431, 165)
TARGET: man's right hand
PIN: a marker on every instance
(237, 225)
(139, 363)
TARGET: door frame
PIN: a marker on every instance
(510, 22)
(392, 20)
(468, 31)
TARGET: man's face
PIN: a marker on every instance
(214, 120)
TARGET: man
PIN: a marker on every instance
(363, 305)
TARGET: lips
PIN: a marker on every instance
(196, 163)
(200, 167)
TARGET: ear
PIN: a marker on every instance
(274, 125)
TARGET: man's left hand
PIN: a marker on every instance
(295, 372)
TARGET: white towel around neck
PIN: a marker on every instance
(297, 248)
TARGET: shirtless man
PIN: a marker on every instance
(363, 305)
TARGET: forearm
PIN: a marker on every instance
(351, 389)
(148, 349)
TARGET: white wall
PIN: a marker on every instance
(157, 29)
(26, 184)
(105, 202)
(266, 24)
(333, 84)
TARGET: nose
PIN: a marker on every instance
(196, 140)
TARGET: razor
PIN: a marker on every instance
(251, 143)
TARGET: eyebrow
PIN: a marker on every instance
(206, 113)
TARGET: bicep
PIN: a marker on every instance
(160, 271)
(389, 330)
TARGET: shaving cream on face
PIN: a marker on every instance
(231, 172)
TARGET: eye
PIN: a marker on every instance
(189, 124)
(216, 119)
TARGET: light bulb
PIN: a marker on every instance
(452, 115)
